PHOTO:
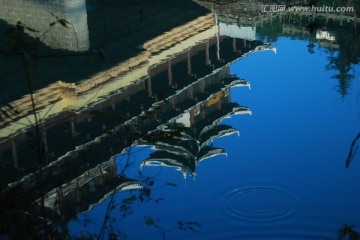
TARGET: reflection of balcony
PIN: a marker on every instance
(83, 197)
(62, 96)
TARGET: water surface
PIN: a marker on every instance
(213, 123)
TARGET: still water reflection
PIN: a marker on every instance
(241, 128)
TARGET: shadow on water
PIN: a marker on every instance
(162, 79)
(348, 232)
(111, 38)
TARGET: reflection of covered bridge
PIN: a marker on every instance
(98, 117)
(87, 139)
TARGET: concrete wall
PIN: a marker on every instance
(37, 14)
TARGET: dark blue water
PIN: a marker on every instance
(284, 176)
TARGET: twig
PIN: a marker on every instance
(352, 151)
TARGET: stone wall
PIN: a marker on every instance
(38, 14)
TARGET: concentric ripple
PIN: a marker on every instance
(259, 203)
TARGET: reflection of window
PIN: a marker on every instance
(184, 119)
(215, 99)
(325, 35)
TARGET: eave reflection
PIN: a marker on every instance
(183, 142)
